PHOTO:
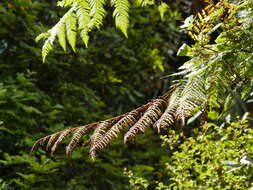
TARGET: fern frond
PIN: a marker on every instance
(61, 34)
(71, 26)
(59, 31)
(61, 138)
(145, 3)
(42, 36)
(52, 140)
(168, 116)
(205, 20)
(39, 142)
(65, 3)
(124, 123)
(46, 48)
(193, 96)
(120, 13)
(83, 17)
(97, 13)
(179, 102)
(98, 134)
(75, 140)
(152, 114)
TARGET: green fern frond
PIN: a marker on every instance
(71, 27)
(65, 3)
(83, 17)
(97, 13)
(120, 13)
(193, 96)
(162, 8)
(145, 3)
(46, 48)
(59, 31)
(61, 34)
(42, 36)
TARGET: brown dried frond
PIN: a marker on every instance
(75, 140)
(99, 133)
(105, 131)
(62, 136)
(40, 142)
(184, 111)
(127, 121)
(53, 138)
(168, 117)
(152, 114)
(203, 116)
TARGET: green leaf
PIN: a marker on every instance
(121, 15)
(83, 17)
(71, 26)
(47, 47)
(42, 36)
(184, 50)
(62, 36)
(97, 13)
(162, 8)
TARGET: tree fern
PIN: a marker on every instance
(83, 17)
(75, 140)
(216, 72)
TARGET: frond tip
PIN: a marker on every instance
(120, 14)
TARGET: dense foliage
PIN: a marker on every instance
(211, 98)
(218, 155)
(71, 89)
(207, 83)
